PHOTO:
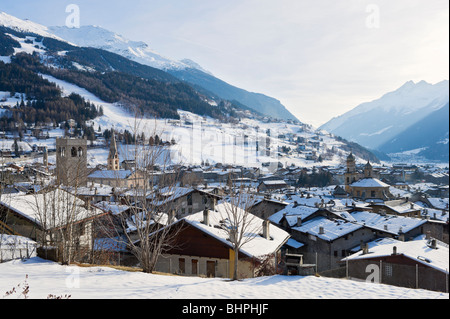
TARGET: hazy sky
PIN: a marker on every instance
(319, 58)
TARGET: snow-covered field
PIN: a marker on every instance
(45, 277)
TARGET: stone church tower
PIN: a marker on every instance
(351, 174)
(113, 157)
(71, 161)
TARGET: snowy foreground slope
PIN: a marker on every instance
(46, 278)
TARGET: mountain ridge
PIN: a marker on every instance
(376, 124)
(186, 69)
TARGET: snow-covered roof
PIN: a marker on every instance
(376, 242)
(331, 229)
(111, 174)
(51, 209)
(390, 223)
(274, 182)
(439, 203)
(292, 213)
(258, 246)
(369, 182)
(418, 250)
(111, 207)
(435, 214)
(294, 244)
(402, 207)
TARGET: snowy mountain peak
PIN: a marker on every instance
(373, 124)
(98, 37)
(26, 25)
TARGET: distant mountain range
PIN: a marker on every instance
(410, 120)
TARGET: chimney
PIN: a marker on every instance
(394, 250)
(321, 230)
(433, 243)
(299, 221)
(428, 235)
(266, 229)
(385, 227)
(295, 204)
(206, 217)
(365, 249)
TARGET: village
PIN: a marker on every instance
(228, 221)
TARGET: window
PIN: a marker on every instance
(388, 270)
(80, 152)
(372, 194)
(189, 200)
(73, 152)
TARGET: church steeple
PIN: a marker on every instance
(368, 170)
(113, 157)
(351, 175)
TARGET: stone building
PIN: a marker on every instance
(71, 161)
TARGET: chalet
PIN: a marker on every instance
(272, 185)
(265, 207)
(202, 246)
(118, 178)
(327, 240)
(339, 192)
(420, 264)
(182, 200)
(93, 193)
(398, 207)
(40, 217)
(400, 227)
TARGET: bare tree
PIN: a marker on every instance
(143, 228)
(239, 224)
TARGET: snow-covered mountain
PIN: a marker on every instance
(20, 25)
(98, 37)
(186, 69)
(378, 123)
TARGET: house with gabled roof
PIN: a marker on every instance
(400, 227)
(422, 264)
(398, 207)
(326, 241)
(182, 200)
(118, 178)
(202, 246)
(42, 216)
